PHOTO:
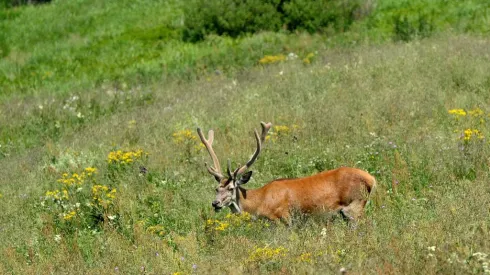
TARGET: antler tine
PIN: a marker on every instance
(216, 170)
(228, 169)
(265, 129)
(260, 139)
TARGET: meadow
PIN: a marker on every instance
(103, 172)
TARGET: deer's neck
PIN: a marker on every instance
(249, 200)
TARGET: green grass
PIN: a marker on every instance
(75, 88)
(350, 107)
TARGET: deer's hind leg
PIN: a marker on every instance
(354, 210)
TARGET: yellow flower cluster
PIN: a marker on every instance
(74, 179)
(263, 254)
(219, 225)
(69, 215)
(184, 136)
(57, 195)
(308, 58)
(477, 112)
(233, 221)
(269, 59)
(90, 171)
(280, 130)
(457, 112)
(124, 157)
(305, 258)
(468, 134)
(156, 229)
(77, 179)
(103, 195)
(187, 138)
(238, 220)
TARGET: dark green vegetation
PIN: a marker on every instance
(87, 84)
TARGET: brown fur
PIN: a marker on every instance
(344, 189)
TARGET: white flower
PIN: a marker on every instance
(112, 217)
(77, 205)
(292, 56)
(480, 256)
(324, 232)
(431, 248)
(57, 238)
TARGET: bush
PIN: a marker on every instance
(13, 3)
(405, 20)
(233, 18)
(315, 16)
(237, 17)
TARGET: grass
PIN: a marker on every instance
(102, 171)
(383, 109)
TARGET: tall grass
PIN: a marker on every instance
(384, 109)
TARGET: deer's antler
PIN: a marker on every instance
(216, 169)
(260, 140)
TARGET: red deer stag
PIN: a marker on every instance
(344, 189)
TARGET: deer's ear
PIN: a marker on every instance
(244, 178)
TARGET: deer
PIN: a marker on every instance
(344, 190)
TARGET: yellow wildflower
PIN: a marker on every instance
(156, 229)
(457, 112)
(476, 112)
(307, 59)
(111, 194)
(183, 136)
(122, 157)
(55, 194)
(75, 178)
(305, 257)
(261, 254)
(468, 134)
(101, 195)
(90, 171)
(222, 226)
(69, 215)
(281, 129)
(269, 59)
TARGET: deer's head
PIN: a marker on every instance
(227, 190)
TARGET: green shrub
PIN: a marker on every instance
(404, 20)
(231, 18)
(237, 17)
(314, 16)
(13, 3)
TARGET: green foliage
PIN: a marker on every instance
(232, 18)
(13, 3)
(319, 16)
(235, 18)
(406, 20)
